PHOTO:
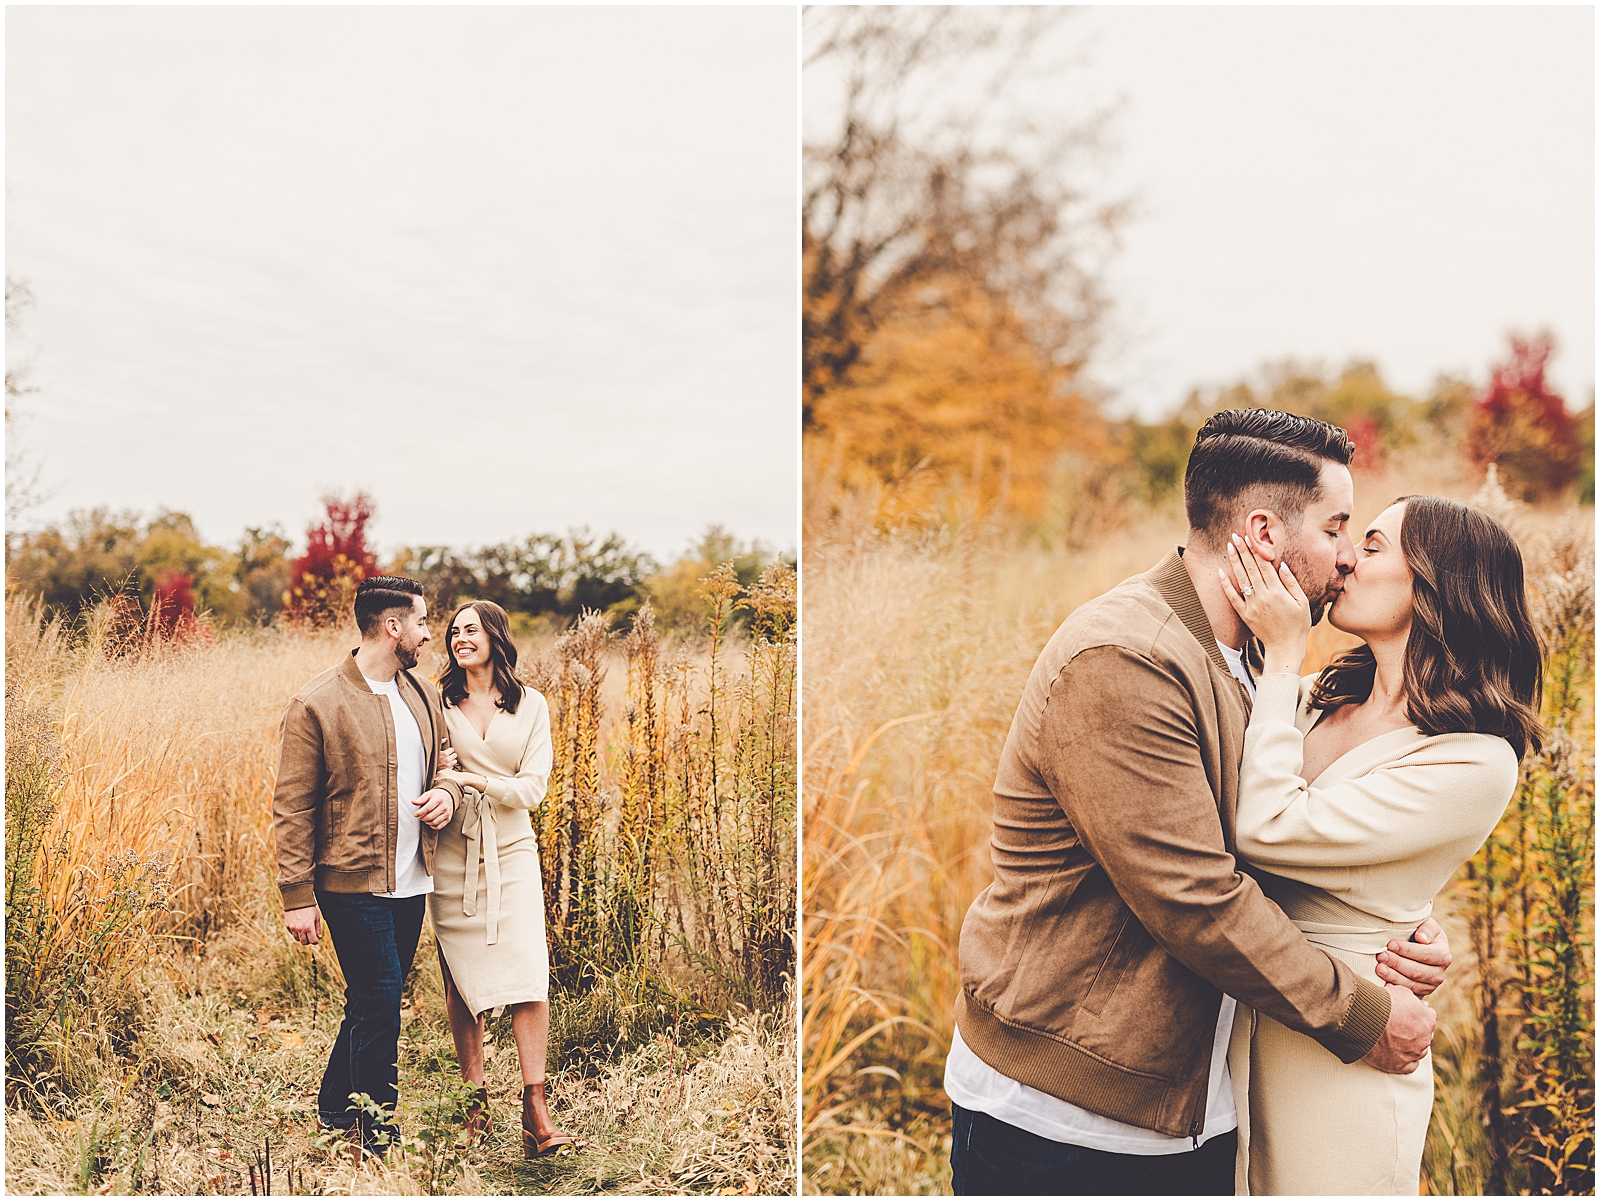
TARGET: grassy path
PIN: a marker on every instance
(219, 1077)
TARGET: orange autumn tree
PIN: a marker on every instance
(952, 399)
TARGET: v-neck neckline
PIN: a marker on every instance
(483, 737)
(1333, 763)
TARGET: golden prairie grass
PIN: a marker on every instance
(918, 643)
(681, 853)
(159, 831)
(159, 1016)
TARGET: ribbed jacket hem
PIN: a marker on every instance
(1064, 1070)
(373, 880)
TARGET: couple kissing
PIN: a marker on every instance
(1200, 965)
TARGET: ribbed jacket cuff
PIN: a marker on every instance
(298, 896)
(1363, 1023)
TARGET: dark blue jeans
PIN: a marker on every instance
(990, 1158)
(375, 939)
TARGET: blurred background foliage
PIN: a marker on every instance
(954, 309)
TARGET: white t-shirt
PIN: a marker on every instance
(1236, 665)
(411, 877)
(973, 1084)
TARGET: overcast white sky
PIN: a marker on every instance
(509, 269)
(1405, 185)
(1400, 184)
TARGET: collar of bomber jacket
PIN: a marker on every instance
(352, 671)
(411, 693)
(1172, 580)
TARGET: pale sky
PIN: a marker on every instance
(1400, 184)
(1405, 185)
(509, 269)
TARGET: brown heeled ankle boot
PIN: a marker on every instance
(539, 1133)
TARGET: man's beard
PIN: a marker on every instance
(1318, 599)
(407, 654)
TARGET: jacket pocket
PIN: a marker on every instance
(1109, 974)
(337, 854)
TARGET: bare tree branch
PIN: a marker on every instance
(929, 172)
(23, 489)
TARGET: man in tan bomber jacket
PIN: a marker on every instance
(355, 817)
(1101, 970)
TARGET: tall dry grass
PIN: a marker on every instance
(140, 881)
(1521, 1065)
(918, 642)
(673, 853)
(222, 1084)
(149, 838)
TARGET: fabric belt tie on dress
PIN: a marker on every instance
(477, 824)
(1327, 921)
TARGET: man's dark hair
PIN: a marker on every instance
(1272, 459)
(382, 594)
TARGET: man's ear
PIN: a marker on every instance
(1265, 533)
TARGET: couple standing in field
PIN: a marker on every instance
(390, 795)
(1199, 967)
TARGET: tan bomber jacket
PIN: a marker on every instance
(335, 812)
(1093, 967)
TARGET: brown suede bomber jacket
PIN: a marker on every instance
(335, 812)
(1094, 966)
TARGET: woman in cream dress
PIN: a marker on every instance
(487, 905)
(1361, 792)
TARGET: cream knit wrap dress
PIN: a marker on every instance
(1354, 860)
(487, 904)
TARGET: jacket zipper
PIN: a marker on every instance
(1197, 1122)
(391, 798)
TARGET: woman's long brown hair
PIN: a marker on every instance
(1473, 662)
(502, 656)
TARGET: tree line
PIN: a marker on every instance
(176, 579)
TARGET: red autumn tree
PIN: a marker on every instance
(172, 604)
(322, 582)
(1365, 432)
(1523, 426)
